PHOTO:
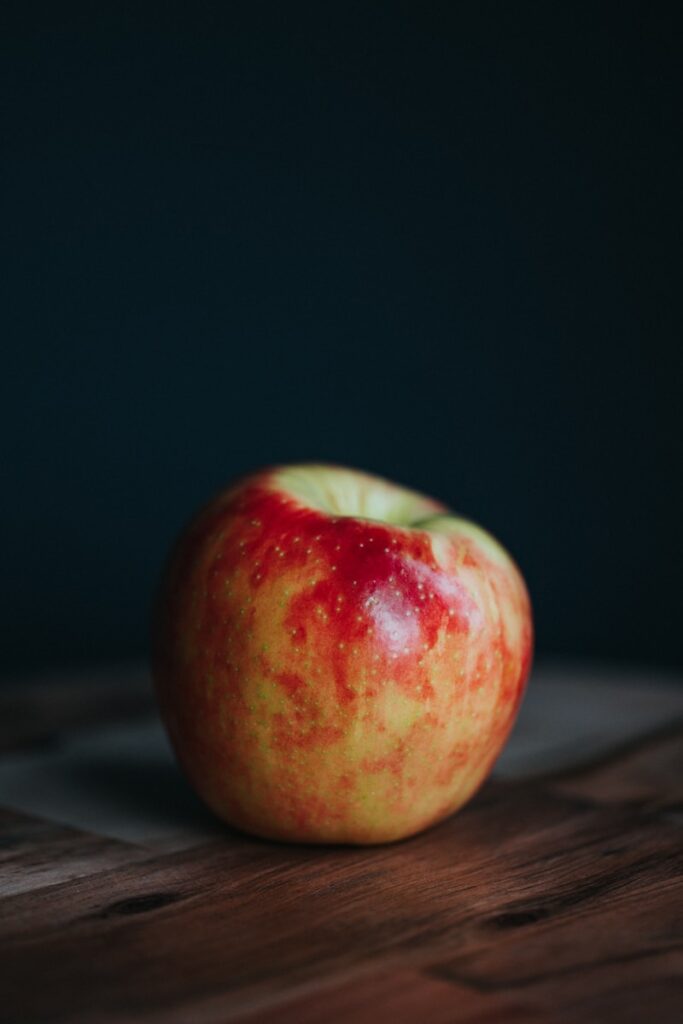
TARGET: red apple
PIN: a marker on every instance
(337, 659)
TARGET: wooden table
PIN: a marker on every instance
(556, 895)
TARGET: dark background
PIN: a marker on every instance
(435, 240)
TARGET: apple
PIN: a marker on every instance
(337, 659)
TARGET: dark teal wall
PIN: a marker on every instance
(438, 241)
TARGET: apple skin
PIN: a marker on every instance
(333, 678)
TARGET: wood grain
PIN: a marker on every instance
(646, 773)
(481, 900)
(35, 853)
(400, 995)
(555, 899)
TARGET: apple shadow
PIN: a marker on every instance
(143, 799)
(151, 803)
